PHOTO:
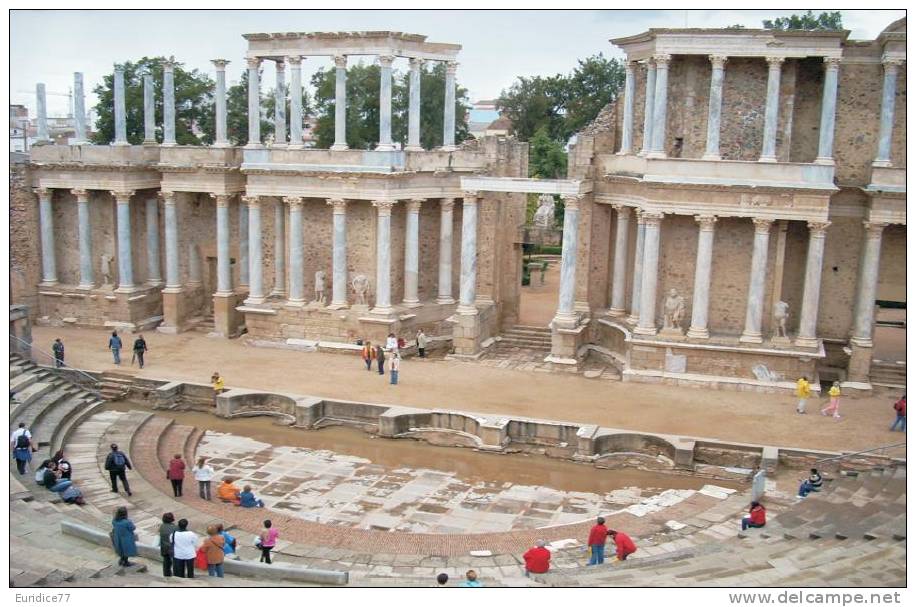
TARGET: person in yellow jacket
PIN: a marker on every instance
(834, 407)
(803, 392)
(219, 386)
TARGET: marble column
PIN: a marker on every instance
(888, 101)
(168, 103)
(254, 104)
(828, 111)
(771, 114)
(280, 104)
(649, 283)
(412, 254)
(384, 104)
(41, 102)
(296, 250)
(566, 314)
(255, 251)
(87, 280)
(383, 258)
(619, 280)
(413, 111)
(149, 110)
(660, 111)
(648, 118)
(120, 111)
(222, 138)
(279, 249)
(868, 285)
(444, 293)
(754, 317)
(243, 245)
(223, 261)
(807, 325)
(46, 221)
(626, 142)
(172, 274)
(340, 103)
(339, 255)
(448, 123)
(638, 254)
(468, 287)
(79, 110)
(295, 102)
(125, 248)
(699, 321)
(714, 115)
(153, 272)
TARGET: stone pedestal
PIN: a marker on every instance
(565, 343)
(859, 364)
(173, 312)
(466, 334)
(226, 319)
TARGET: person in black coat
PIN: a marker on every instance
(117, 465)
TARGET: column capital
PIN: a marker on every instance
(832, 63)
(280, 63)
(718, 61)
(295, 61)
(252, 201)
(253, 62)
(414, 204)
(873, 229)
(775, 62)
(220, 64)
(339, 204)
(648, 63)
(169, 64)
(891, 62)
(294, 202)
(630, 65)
(43, 192)
(81, 195)
(340, 62)
(167, 197)
(572, 202)
(122, 196)
(384, 206)
(416, 63)
(446, 204)
(818, 229)
(662, 60)
(385, 60)
(762, 225)
(451, 67)
(623, 210)
(651, 219)
(471, 196)
(707, 222)
(222, 200)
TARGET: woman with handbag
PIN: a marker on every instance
(123, 537)
(213, 547)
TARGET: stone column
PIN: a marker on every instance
(85, 239)
(79, 109)
(254, 104)
(172, 275)
(566, 315)
(649, 283)
(296, 270)
(255, 251)
(46, 220)
(222, 138)
(295, 103)
(412, 254)
(888, 101)
(340, 104)
(384, 104)
(714, 120)
(699, 320)
(448, 124)
(125, 250)
(279, 249)
(626, 142)
(153, 272)
(828, 111)
(648, 118)
(633, 318)
(280, 104)
(444, 295)
(771, 115)
(41, 101)
(807, 326)
(120, 112)
(660, 111)
(468, 287)
(413, 112)
(168, 103)
(754, 317)
(868, 285)
(149, 110)
(339, 257)
(383, 258)
(619, 284)
(223, 261)
(243, 245)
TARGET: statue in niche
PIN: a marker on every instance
(319, 287)
(674, 310)
(106, 270)
(545, 216)
(781, 315)
(360, 284)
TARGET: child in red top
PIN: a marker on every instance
(625, 546)
(596, 540)
(537, 559)
(757, 517)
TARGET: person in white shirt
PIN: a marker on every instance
(391, 344)
(184, 548)
(203, 473)
(14, 436)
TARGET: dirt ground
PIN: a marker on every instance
(538, 303)
(738, 416)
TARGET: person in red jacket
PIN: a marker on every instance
(596, 540)
(176, 474)
(900, 408)
(757, 517)
(537, 559)
(625, 546)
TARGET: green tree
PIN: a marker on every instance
(237, 112)
(808, 22)
(534, 103)
(432, 107)
(546, 157)
(268, 109)
(594, 83)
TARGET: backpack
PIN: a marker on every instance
(22, 441)
(118, 459)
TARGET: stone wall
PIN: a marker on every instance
(743, 103)
(677, 262)
(892, 271)
(24, 246)
(842, 250)
(688, 104)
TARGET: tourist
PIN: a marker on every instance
(22, 449)
(900, 408)
(470, 580)
(219, 386)
(69, 492)
(266, 541)
(596, 540)
(203, 474)
(63, 466)
(184, 550)
(229, 544)
(368, 355)
(176, 474)
(625, 546)
(139, 349)
(58, 348)
(391, 344)
(537, 559)
(40, 473)
(123, 537)
(380, 358)
(834, 407)
(227, 492)
(114, 344)
(213, 548)
(757, 517)
(247, 499)
(166, 551)
(395, 367)
(49, 477)
(422, 340)
(814, 482)
(117, 465)
(441, 580)
(15, 434)
(803, 392)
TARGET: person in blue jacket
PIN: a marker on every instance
(123, 539)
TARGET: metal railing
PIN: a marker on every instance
(882, 452)
(82, 379)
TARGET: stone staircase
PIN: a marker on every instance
(115, 385)
(202, 324)
(526, 337)
(888, 374)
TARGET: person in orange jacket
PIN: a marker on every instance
(625, 546)
(368, 355)
(227, 492)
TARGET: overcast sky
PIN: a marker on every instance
(498, 46)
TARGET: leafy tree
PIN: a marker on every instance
(594, 83)
(268, 109)
(533, 103)
(237, 112)
(546, 157)
(432, 107)
(808, 22)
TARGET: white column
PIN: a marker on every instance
(649, 283)
(888, 101)
(648, 118)
(660, 111)
(280, 104)
(120, 111)
(714, 115)
(468, 286)
(254, 104)
(638, 255)
(340, 103)
(172, 275)
(79, 109)
(222, 139)
(85, 239)
(626, 142)
(566, 314)
(619, 280)
(446, 209)
(279, 249)
(807, 326)
(149, 110)
(412, 254)
(125, 249)
(339, 256)
(384, 104)
(868, 285)
(296, 250)
(41, 102)
(168, 103)
(448, 123)
(771, 114)
(153, 272)
(828, 111)
(255, 251)
(754, 317)
(46, 220)
(383, 258)
(223, 262)
(699, 322)
(295, 103)
(413, 111)
(243, 245)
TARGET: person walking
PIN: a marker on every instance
(58, 349)
(175, 474)
(368, 355)
(756, 518)
(219, 386)
(422, 340)
(537, 559)
(166, 550)
(140, 349)
(184, 545)
(114, 344)
(123, 537)
(19, 431)
(395, 368)
(597, 537)
(22, 450)
(625, 546)
(803, 392)
(470, 580)
(834, 407)
(380, 358)
(203, 474)
(117, 465)
(267, 540)
(213, 547)
(900, 408)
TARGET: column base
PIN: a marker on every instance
(295, 303)
(882, 164)
(278, 294)
(445, 301)
(120, 144)
(565, 320)
(616, 312)
(751, 338)
(278, 145)
(862, 342)
(412, 303)
(172, 289)
(44, 284)
(637, 330)
(171, 144)
(221, 144)
(413, 148)
(85, 286)
(127, 289)
(806, 342)
(448, 148)
(642, 153)
(254, 146)
(338, 305)
(656, 154)
(254, 300)
(339, 147)
(767, 159)
(155, 283)
(382, 311)
(698, 333)
(150, 142)
(632, 319)
(825, 160)
(384, 147)
(465, 310)
(711, 157)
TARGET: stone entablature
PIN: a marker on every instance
(563, 187)
(196, 169)
(292, 161)
(403, 186)
(397, 44)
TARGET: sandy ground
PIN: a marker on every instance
(746, 417)
(538, 303)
